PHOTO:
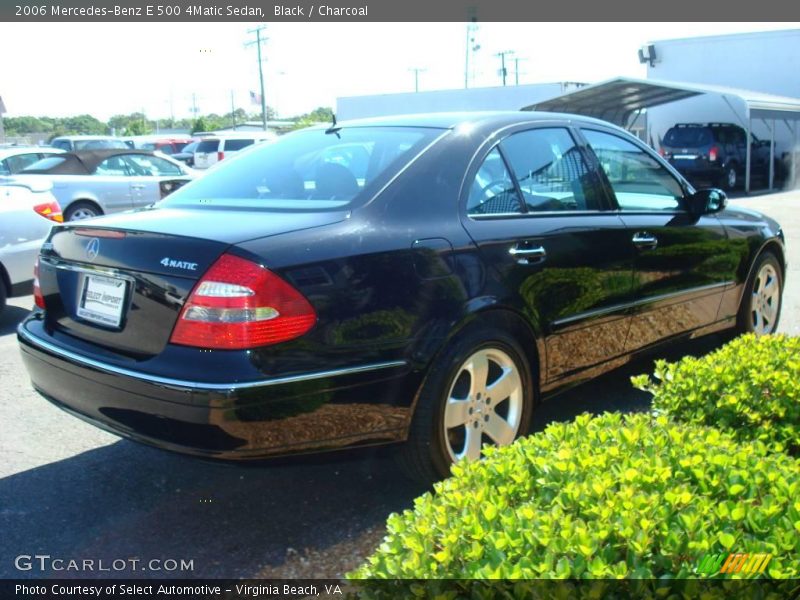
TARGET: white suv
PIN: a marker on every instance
(213, 149)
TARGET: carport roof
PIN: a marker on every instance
(617, 99)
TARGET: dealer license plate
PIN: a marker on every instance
(102, 300)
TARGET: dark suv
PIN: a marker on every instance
(715, 153)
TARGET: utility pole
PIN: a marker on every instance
(471, 47)
(417, 71)
(502, 56)
(194, 106)
(233, 112)
(258, 41)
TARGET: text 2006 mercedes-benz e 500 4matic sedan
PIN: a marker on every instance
(424, 280)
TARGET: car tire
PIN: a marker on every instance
(730, 179)
(760, 310)
(455, 411)
(81, 210)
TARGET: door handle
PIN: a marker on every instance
(137, 186)
(527, 256)
(644, 240)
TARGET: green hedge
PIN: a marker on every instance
(606, 497)
(750, 387)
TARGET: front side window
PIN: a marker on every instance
(551, 171)
(639, 181)
(113, 166)
(310, 169)
(493, 191)
(142, 165)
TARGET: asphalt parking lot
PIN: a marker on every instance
(69, 490)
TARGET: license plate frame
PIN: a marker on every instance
(107, 297)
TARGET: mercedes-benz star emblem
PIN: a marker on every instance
(92, 248)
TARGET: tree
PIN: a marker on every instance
(199, 125)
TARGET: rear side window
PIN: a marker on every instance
(207, 146)
(688, 137)
(551, 171)
(234, 145)
(311, 169)
(493, 191)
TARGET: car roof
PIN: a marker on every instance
(84, 162)
(84, 137)
(451, 120)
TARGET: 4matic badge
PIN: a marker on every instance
(178, 264)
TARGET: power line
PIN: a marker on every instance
(258, 42)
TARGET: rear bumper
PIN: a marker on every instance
(231, 420)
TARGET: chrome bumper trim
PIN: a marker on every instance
(194, 386)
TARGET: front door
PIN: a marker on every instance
(682, 261)
(540, 218)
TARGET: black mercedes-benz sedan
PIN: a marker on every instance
(426, 280)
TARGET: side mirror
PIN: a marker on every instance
(708, 201)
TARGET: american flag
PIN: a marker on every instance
(255, 98)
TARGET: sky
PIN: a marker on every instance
(163, 68)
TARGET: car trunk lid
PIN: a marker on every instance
(121, 281)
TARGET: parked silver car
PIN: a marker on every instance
(96, 182)
(27, 211)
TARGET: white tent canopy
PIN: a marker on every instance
(622, 99)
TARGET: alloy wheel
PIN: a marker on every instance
(82, 213)
(765, 300)
(484, 404)
(731, 178)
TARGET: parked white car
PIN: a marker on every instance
(15, 158)
(97, 182)
(27, 211)
(212, 149)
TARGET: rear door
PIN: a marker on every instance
(540, 217)
(206, 153)
(680, 267)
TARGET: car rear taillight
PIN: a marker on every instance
(37, 291)
(713, 153)
(239, 304)
(50, 210)
(220, 155)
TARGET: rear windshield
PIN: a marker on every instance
(208, 146)
(310, 169)
(688, 137)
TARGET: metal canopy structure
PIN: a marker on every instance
(623, 99)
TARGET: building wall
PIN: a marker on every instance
(491, 98)
(766, 62)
